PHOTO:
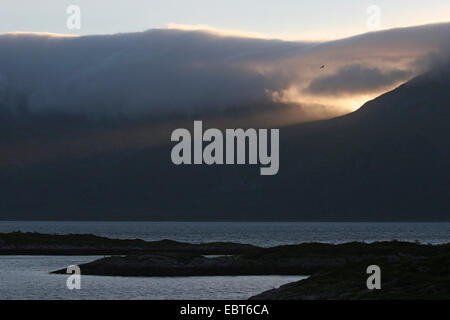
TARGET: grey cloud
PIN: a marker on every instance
(166, 72)
(356, 78)
(158, 71)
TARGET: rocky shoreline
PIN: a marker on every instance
(401, 277)
(336, 271)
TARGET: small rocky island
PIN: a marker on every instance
(408, 270)
(33, 243)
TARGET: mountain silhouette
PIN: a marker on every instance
(387, 161)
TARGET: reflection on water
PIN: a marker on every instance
(27, 277)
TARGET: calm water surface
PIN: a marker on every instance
(257, 233)
(27, 277)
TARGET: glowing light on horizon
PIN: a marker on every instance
(216, 31)
(46, 34)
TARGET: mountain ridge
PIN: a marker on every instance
(375, 164)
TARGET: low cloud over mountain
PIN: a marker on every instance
(355, 78)
(166, 72)
(389, 160)
(85, 125)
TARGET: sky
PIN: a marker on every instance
(288, 19)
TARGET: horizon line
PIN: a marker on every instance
(218, 32)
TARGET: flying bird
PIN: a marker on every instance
(322, 66)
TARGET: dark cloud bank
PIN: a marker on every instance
(357, 78)
(72, 96)
(170, 71)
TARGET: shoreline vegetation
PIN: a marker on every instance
(336, 271)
